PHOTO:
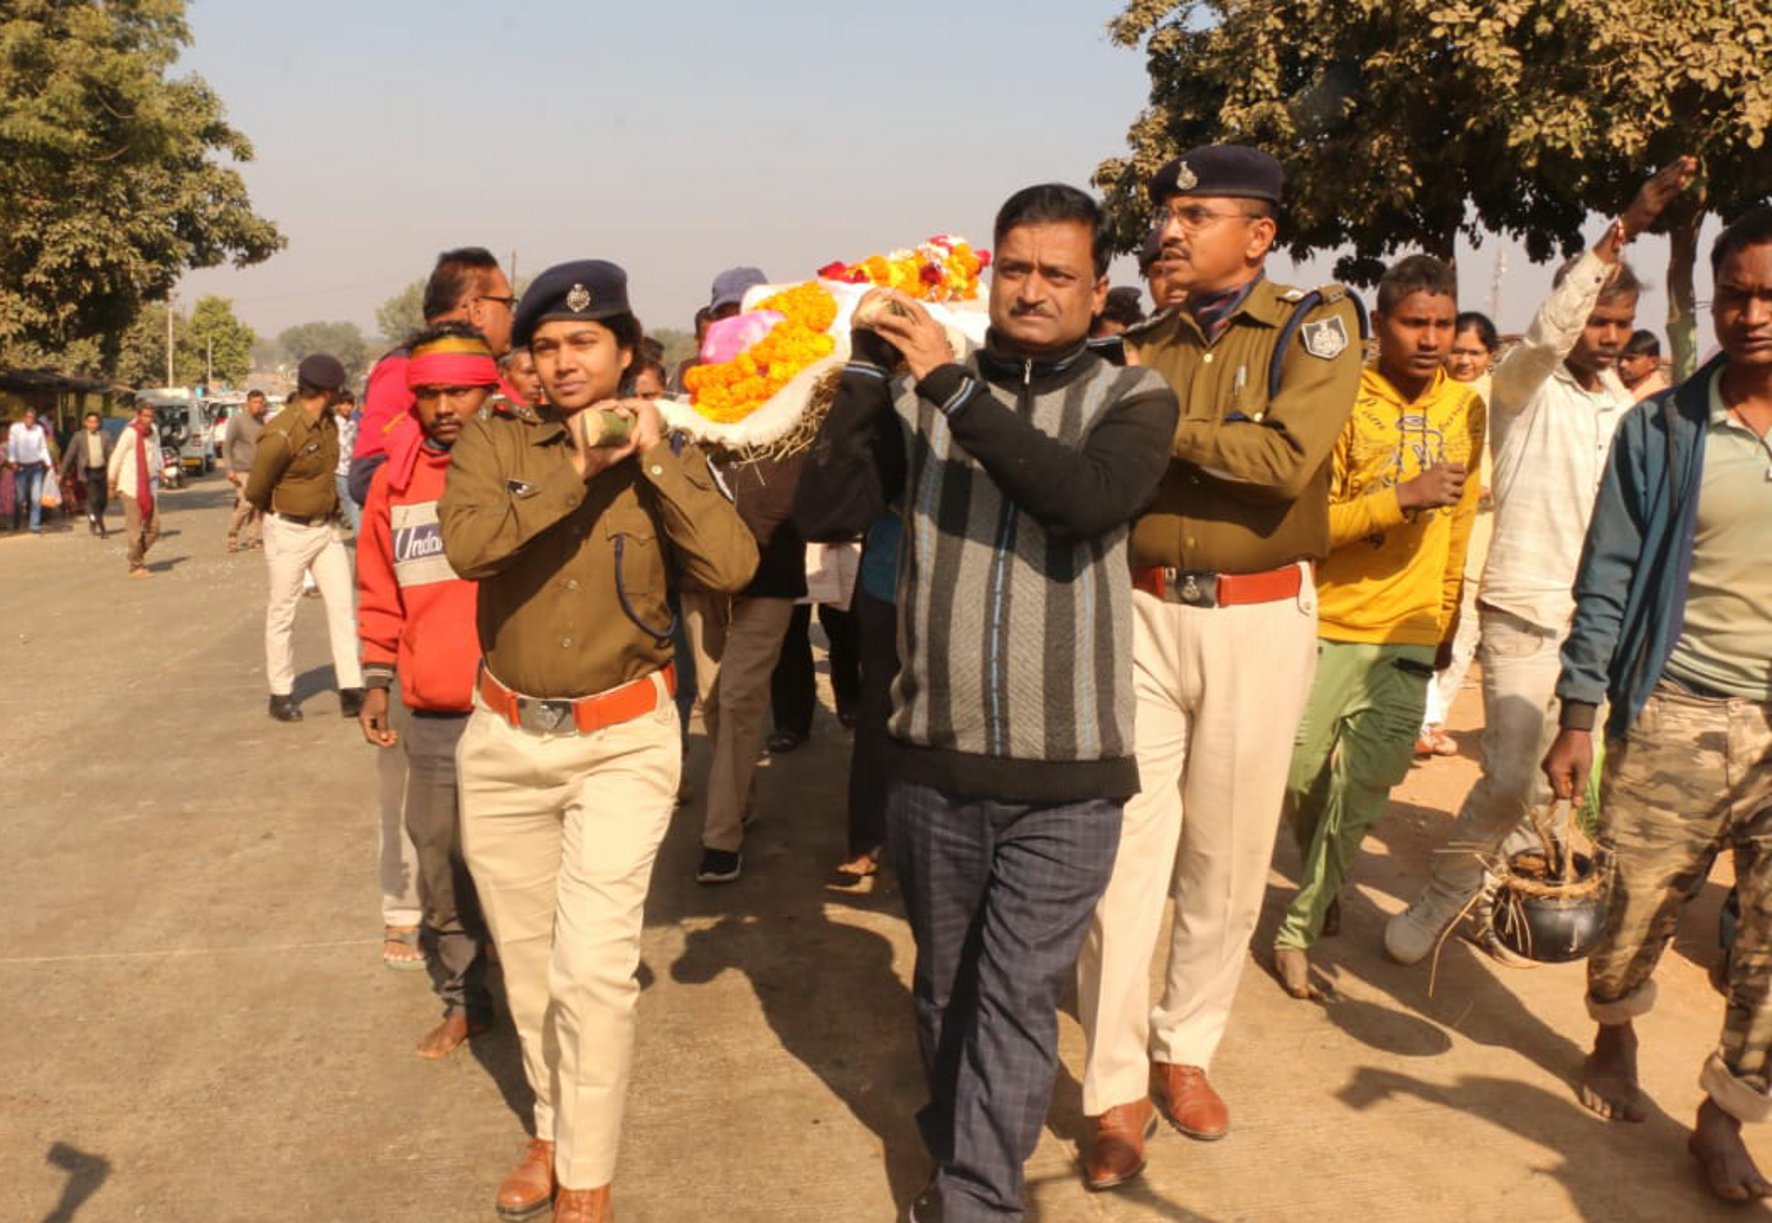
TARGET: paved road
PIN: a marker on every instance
(199, 1027)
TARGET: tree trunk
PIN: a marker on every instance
(1682, 320)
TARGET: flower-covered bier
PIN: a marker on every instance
(731, 390)
(943, 269)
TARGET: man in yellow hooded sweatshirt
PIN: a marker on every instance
(1400, 513)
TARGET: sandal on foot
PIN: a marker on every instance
(400, 949)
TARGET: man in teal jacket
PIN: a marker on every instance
(1673, 625)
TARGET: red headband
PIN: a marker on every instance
(451, 369)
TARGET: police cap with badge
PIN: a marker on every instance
(584, 290)
(1230, 171)
(1235, 171)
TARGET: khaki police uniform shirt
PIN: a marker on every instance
(1248, 483)
(574, 576)
(294, 469)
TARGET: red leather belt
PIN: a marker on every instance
(583, 714)
(1220, 589)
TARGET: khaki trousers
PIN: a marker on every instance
(1220, 694)
(139, 532)
(244, 527)
(560, 833)
(736, 644)
(290, 551)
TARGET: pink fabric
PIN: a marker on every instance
(731, 336)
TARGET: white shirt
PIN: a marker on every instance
(27, 444)
(122, 469)
(1550, 439)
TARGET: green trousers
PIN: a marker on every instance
(1356, 741)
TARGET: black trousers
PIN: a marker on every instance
(97, 494)
(793, 688)
(876, 638)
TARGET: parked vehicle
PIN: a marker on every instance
(186, 425)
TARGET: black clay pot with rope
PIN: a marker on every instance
(1552, 925)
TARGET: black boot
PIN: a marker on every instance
(284, 708)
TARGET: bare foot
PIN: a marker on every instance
(448, 1036)
(1293, 968)
(1716, 1145)
(1609, 1076)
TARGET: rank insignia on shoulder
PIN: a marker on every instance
(1325, 338)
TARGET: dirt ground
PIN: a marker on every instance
(199, 1026)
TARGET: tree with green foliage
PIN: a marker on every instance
(402, 314)
(342, 340)
(115, 178)
(221, 345)
(210, 337)
(1401, 125)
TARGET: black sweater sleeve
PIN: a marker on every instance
(1073, 493)
(857, 463)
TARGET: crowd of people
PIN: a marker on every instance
(1132, 591)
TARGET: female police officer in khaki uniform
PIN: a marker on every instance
(570, 762)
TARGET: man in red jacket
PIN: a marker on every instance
(415, 618)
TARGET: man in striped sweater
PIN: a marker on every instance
(1020, 467)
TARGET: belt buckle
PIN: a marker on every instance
(547, 717)
(1195, 589)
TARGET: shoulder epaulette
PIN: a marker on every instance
(1148, 327)
(1326, 338)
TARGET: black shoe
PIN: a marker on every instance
(284, 708)
(719, 866)
(350, 701)
(926, 1206)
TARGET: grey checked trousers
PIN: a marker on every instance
(999, 897)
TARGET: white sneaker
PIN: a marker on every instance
(1411, 934)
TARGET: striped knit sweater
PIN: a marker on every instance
(1020, 479)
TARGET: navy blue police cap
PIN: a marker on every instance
(592, 289)
(1235, 171)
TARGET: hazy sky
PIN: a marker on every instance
(674, 138)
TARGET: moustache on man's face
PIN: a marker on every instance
(1029, 310)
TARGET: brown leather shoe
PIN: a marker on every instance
(1116, 1153)
(1188, 1101)
(583, 1206)
(529, 1189)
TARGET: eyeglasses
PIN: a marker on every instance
(1193, 217)
(509, 303)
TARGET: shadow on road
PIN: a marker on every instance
(1603, 1187)
(86, 1173)
(825, 985)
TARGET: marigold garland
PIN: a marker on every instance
(945, 268)
(732, 390)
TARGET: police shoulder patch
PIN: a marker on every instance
(1325, 338)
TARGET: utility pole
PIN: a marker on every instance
(208, 363)
(1495, 284)
(169, 301)
(513, 269)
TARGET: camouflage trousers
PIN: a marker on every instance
(1692, 775)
